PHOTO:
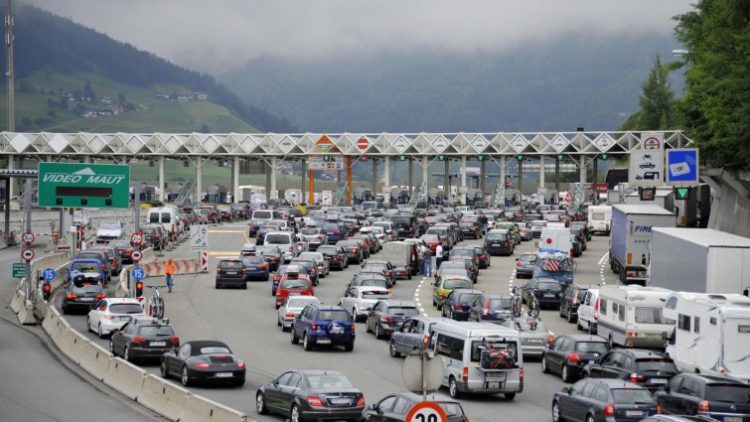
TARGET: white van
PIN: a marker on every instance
(167, 217)
(465, 350)
(712, 335)
(600, 219)
(631, 316)
(556, 238)
(286, 243)
(588, 311)
(399, 254)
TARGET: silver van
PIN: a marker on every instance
(479, 358)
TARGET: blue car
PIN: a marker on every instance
(323, 325)
(334, 231)
(256, 268)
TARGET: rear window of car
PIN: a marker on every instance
(372, 282)
(468, 298)
(632, 396)
(373, 293)
(211, 350)
(401, 220)
(230, 265)
(527, 258)
(456, 284)
(591, 347)
(85, 267)
(511, 348)
(728, 393)
(330, 226)
(261, 214)
(496, 237)
(553, 286)
(155, 331)
(333, 315)
(500, 303)
(125, 308)
(153, 217)
(403, 310)
(656, 364)
(310, 231)
(253, 259)
(277, 239)
(86, 288)
(294, 283)
(331, 250)
(328, 381)
(452, 409)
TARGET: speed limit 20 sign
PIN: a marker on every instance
(426, 411)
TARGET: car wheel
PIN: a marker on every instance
(562, 314)
(367, 325)
(590, 418)
(307, 344)
(163, 369)
(565, 374)
(99, 331)
(296, 414)
(185, 377)
(112, 347)
(556, 417)
(434, 303)
(378, 334)
(393, 350)
(260, 404)
(293, 337)
(355, 316)
(126, 353)
(450, 314)
(453, 388)
(545, 368)
(349, 347)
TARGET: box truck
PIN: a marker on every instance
(699, 260)
(630, 237)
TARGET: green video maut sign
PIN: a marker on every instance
(84, 185)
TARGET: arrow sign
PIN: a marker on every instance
(48, 274)
(136, 255)
(138, 273)
(27, 254)
(28, 237)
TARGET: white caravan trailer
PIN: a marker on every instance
(712, 335)
(631, 316)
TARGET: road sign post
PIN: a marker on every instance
(682, 166)
(84, 185)
(137, 255)
(137, 273)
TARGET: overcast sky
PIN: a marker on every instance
(220, 35)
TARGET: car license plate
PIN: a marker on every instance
(87, 299)
(657, 381)
(293, 293)
(496, 377)
(341, 401)
(337, 330)
(323, 341)
(494, 385)
(631, 413)
(733, 419)
(224, 375)
(495, 244)
(549, 295)
(231, 272)
(158, 343)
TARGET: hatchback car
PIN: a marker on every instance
(548, 292)
(457, 306)
(336, 256)
(491, 308)
(445, 284)
(111, 314)
(287, 312)
(569, 354)
(230, 272)
(413, 334)
(82, 297)
(293, 283)
(360, 299)
(395, 407)
(387, 316)
(717, 397)
(497, 242)
(143, 338)
(603, 400)
(525, 265)
(255, 268)
(534, 334)
(319, 325)
(647, 368)
(571, 299)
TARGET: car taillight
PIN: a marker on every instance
(574, 358)
(355, 250)
(291, 249)
(241, 365)
(244, 270)
(389, 319)
(486, 310)
(571, 252)
(138, 339)
(703, 407)
(609, 410)
(289, 314)
(174, 340)
(636, 378)
(104, 266)
(314, 326)
(466, 374)
(658, 408)
(459, 307)
(201, 366)
(360, 401)
(425, 339)
(218, 271)
(519, 264)
(262, 265)
(101, 296)
(520, 374)
(71, 296)
(314, 401)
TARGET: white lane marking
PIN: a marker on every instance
(417, 300)
(604, 257)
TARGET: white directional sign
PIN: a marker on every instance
(646, 167)
(199, 237)
(319, 163)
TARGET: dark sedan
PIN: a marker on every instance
(311, 394)
(602, 400)
(337, 257)
(124, 249)
(572, 298)
(497, 242)
(491, 308)
(718, 397)
(548, 292)
(525, 265)
(387, 316)
(144, 338)
(393, 408)
(353, 249)
(381, 266)
(457, 306)
(647, 368)
(203, 361)
(484, 256)
(82, 297)
(569, 354)
(230, 272)
(311, 269)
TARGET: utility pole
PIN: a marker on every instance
(9, 66)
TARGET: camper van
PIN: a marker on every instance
(479, 358)
(556, 238)
(600, 219)
(167, 218)
(631, 316)
(712, 335)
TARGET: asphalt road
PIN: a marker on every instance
(246, 320)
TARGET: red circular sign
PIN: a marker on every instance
(27, 254)
(426, 411)
(28, 237)
(136, 255)
(136, 238)
(651, 143)
(363, 143)
(549, 241)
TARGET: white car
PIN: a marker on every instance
(291, 309)
(285, 241)
(360, 299)
(108, 230)
(379, 232)
(112, 313)
(320, 262)
(588, 311)
(387, 226)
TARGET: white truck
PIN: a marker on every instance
(630, 238)
(600, 219)
(556, 238)
(699, 260)
(712, 335)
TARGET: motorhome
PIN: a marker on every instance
(600, 219)
(712, 334)
(556, 238)
(631, 316)
(479, 358)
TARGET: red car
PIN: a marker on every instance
(293, 283)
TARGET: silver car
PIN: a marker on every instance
(320, 262)
(534, 335)
(291, 309)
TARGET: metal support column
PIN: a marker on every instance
(274, 192)
(6, 208)
(236, 179)
(463, 192)
(520, 182)
(596, 172)
(410, 181)
(447, 179)
(311, 191)
(162, 194)
(348, 180)
(338, 187)
(269, 170)
(374, 176)
(542, 170)
(303, 197)
(10, 186)
(482, 176)
(503, 178)
(557, 182)
(199, 180)
(582, 169)
(425, 178)
(387, 173)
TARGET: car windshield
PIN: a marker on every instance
(549, 286)
(328, 381)
(310, 232)
(452, 409)
(401, 219)
(262, 215)
(469, 253)
(731, 393)
(330, 250)
(125, 308)
(496, 237)
(110, 226)
(591, 347)
(651, 316)
(85, 267)
(333, 315)
(527, 258)
(371, 294)
(502, 303)
(214, 350)
(85, 288)
(277, 239)
(456, 283)
(155, 331)
(632, 396)
(294, 283)
(403, 310)
(373, 282)
(656, 364)
(330, 226)
(230, 265)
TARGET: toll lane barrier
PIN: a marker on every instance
(26, 314)
(201, 409)
(72, 344)
(182, 266)
(95, 360)
(125, 378)
(18, 299)
(163, 397)
(51, 321)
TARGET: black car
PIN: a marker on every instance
(569, 354)
(466, 252)
(582, 225)
(580, 234)
(647, 368)
(230, 272)
(720, 398)
(497, 242)
(491, 308)
(337, 257)
(203, 361)
(525, 265)
(311, 394)
(576, 245)
(153, 237)
(405, 226)
(143, 338)
(272, 255)
(353, 250)
(100, 256)
(369, 279)
(548, 292)
(470, 227)
(571, 299)
(82, 297)
(457, 305)
(387, 316)
(484, 256)
(385, 267)
(602, 400)
(124, 250)
(393, 408)
(678, 418)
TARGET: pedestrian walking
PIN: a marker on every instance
(169, 268)
(426, 261)
(438, 256)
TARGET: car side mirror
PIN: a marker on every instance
(567, 390)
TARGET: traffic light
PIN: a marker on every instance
(138, 289)
(604, 157)
(46, 290)
(560, 157)
(441, 157)
(519, 157)
(682, 192)
(402, 158)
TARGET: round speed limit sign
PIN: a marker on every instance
(426, 411)
(136, 255)
(136, 238)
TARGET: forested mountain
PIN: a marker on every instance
(572, 82)
(56, 58)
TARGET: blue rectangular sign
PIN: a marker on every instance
(682, 166)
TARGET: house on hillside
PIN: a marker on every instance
(89, 114)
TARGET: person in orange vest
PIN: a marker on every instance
(169, 268)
